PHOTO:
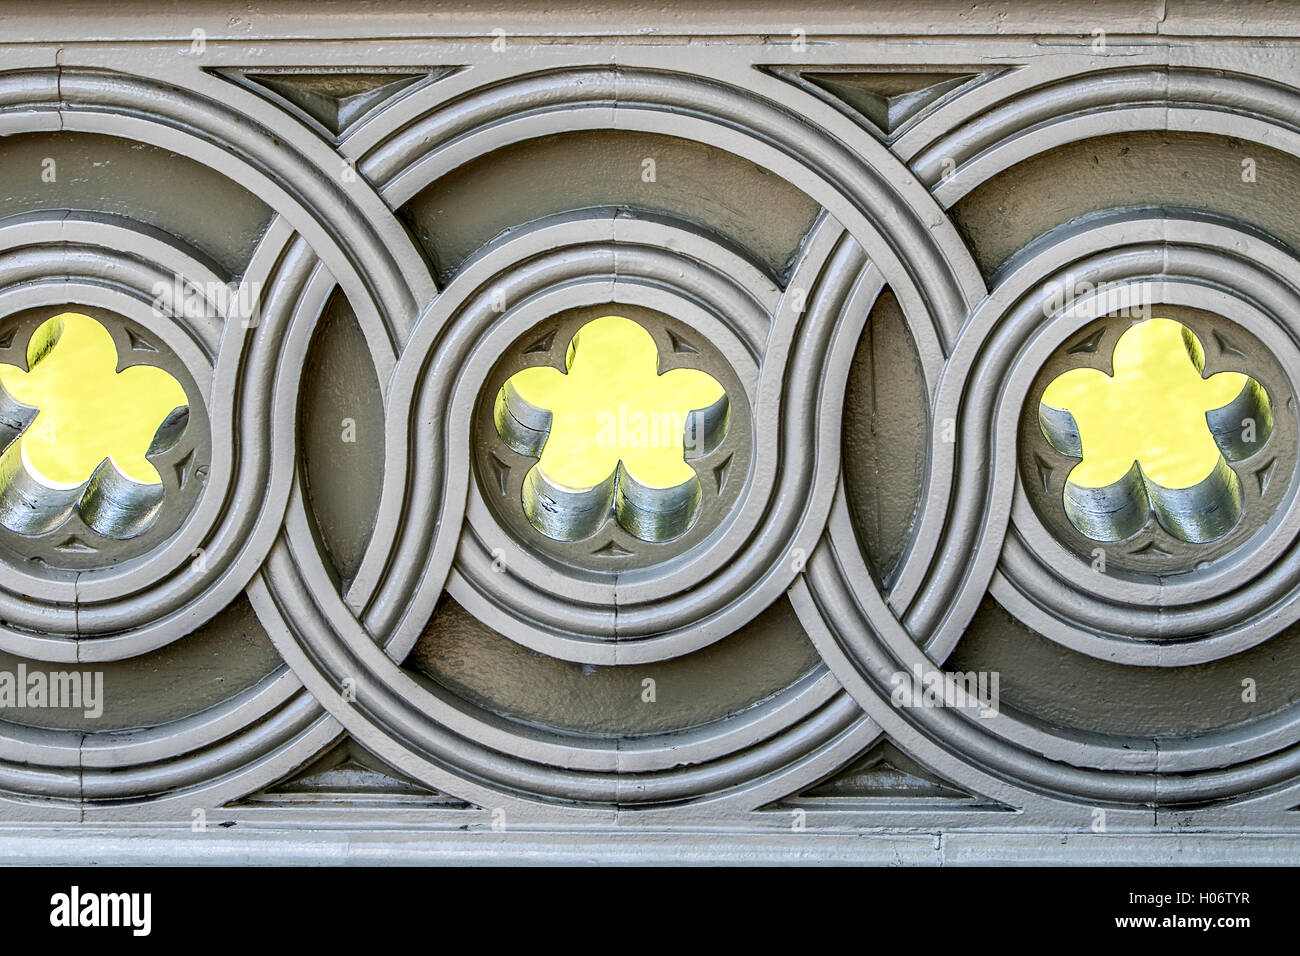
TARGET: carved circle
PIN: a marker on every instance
(1239, 595)
(961, 547)
(1143, 545)
(1184, 603)
(1144, 258)
(726, 302)
(107, 520)
(247, 373)
(721, 466)
(650, 624)
(434, 391)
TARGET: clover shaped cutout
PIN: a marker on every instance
(1155, 437)
(613, 435)
(78, 433)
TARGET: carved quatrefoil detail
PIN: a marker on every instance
(613, 436)
(1155, 437)
(78, 433)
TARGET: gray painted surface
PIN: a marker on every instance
(347, 651)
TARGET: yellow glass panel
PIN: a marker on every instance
(1152, 410)
(613, 405)
(88, 410)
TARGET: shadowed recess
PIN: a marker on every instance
(1186, 170)
(753, 208)
(883, 778)
(888, 99)
(349, 776)
(342, 436)
(222, 658)
(197, 205)
(884, 435)
(474, 661)
(336, 100)
(1064, 688)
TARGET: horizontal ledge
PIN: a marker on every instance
(332, 19)
(393, 845)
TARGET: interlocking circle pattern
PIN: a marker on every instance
(886, 221)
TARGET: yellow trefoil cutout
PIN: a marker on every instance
(613, 405)
(1151, 411)
(88, 411)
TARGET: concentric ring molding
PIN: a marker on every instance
(951, 560)
(802, 734)
(1147, 263)
(320, 635)
(134, 618)
(1238, 601)
(670, 604)
(476, 123)
(443, 742)
(1072, 764)
(258, 736)
(254, 737)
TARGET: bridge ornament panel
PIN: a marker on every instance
(881, 584)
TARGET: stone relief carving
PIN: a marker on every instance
(344, 602)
